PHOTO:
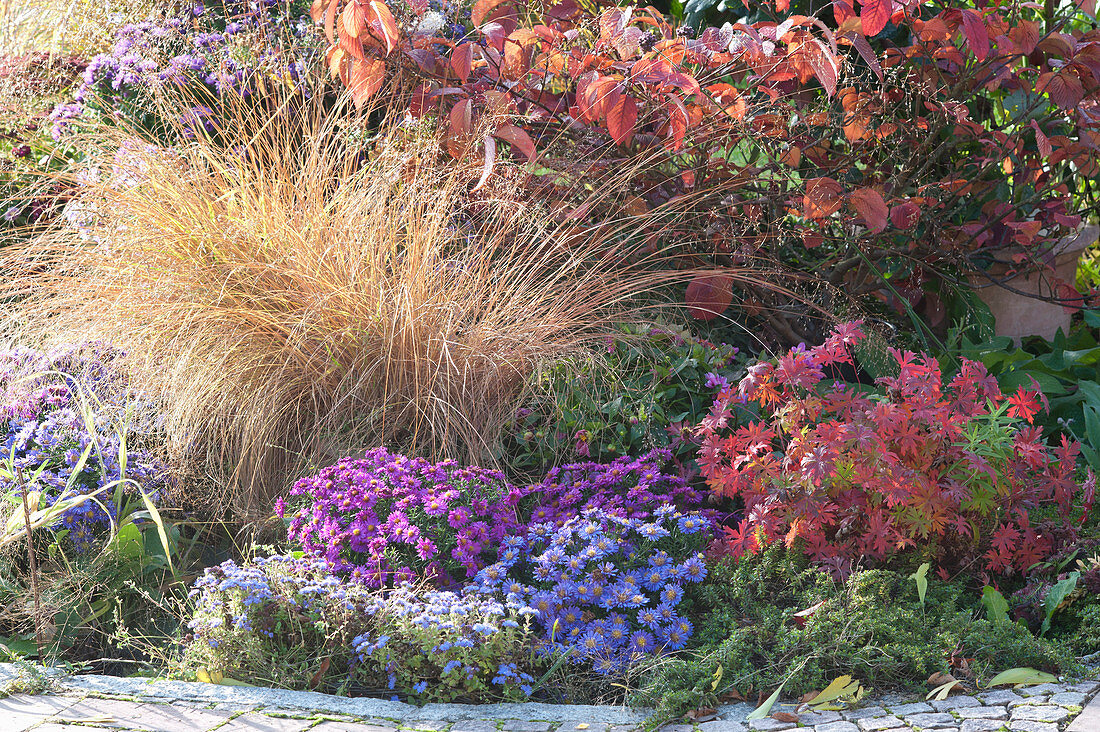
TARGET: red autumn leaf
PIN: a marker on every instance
(868, 203)
(859, 41)
(462, 123)
(874, 15)
(330, 20)
(822, 198)
(517, 137)
(364, 79)
(621, 119)
(462, 60)
(1064, 89)
(1025, 34)
(905, 215)
(354, 19)
(1041, 141)
(382, 24)
(825, 66)
(482, 9)
(976, 35)
(709, 295)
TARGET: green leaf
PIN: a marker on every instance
(839, 688)
(1055, 597)
(765, 709)
(942, 691)
(921, 578)
(127, 542)
(996, 606)
(1022, 676)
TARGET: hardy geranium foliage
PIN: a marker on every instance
(951, 469)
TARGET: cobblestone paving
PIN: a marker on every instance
(1065, 707)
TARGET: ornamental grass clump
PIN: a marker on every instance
(386, 518)
(316, 288)
(606, 589)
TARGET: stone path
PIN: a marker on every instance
(101, 704)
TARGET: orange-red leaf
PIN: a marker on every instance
(462, 119)
(905, 215)
(462, 60)
(482, 9)
(621, 119)
(874, 15)
(517, 137)
(708, 295)
(330, 20)
(822, 198)
(365, 79)
(1064, 89)
(382, 24)
(868, 203)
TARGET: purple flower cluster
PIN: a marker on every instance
(47, 434)
(388, 518)
(606, 589)
(212, 54)
(627, 487)
(459, 645)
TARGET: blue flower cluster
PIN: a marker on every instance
(605, 589)
(232, 50)
(433, 644)
(46, 431)
(463, 644)
(232, 598)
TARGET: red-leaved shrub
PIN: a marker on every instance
(950, 470)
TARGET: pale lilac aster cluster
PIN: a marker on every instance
(228, 48)
(460, 644)
(386, 518)
(46, 433)
(627, 487)
(606, 589)
(234, 599)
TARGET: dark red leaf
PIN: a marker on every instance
(977, 37)
(709, 295)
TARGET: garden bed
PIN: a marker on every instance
(577, 357)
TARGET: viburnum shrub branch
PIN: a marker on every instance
(961, 131)
(954, 470)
